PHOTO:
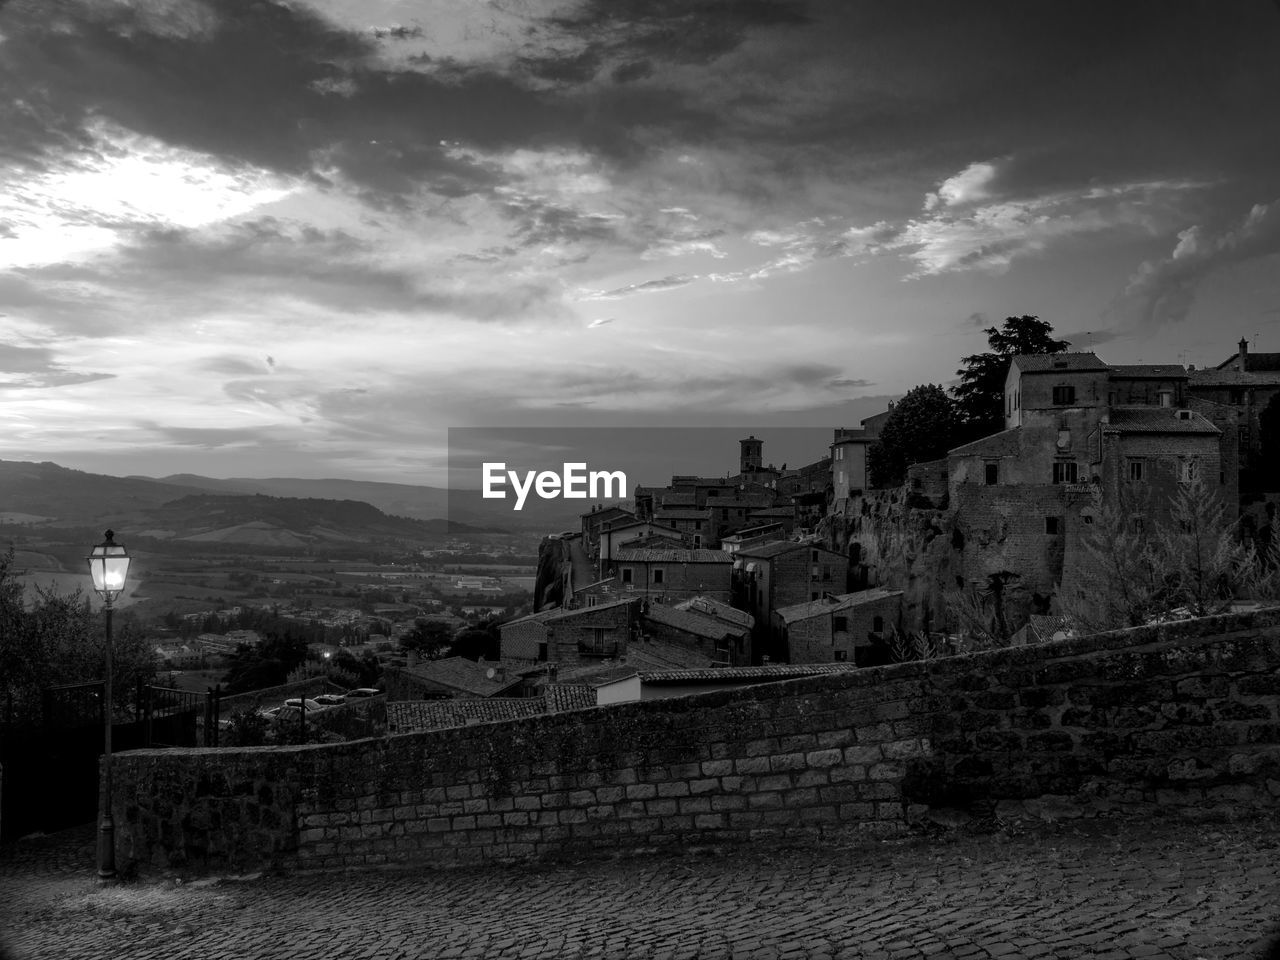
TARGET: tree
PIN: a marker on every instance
(479, 642)
(1119, 583)
(919, 429)
(979, 396)
(57, 639)
(429, 639)
(1199, 550)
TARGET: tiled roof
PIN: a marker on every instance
(1046, 627)
(610, 675)
(406, 715)
(558, 615)
(682, 514)
(569, 696)
(607, 512)
(1233, 378)
(650, 656)
(1255, 362)
(1152, 371)
(764, 673)
(823, 605)
(717, 609)
(775, 548)
(697, 624)
(1006, 443)
(773, 512)
(460, 673)
(728, 502)
(1052, 362)
(538, 617)
(678, 500)
(673, 556)
(1157, 420)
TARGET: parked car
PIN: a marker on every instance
(330, 699)
(294, 703)
(363, 692)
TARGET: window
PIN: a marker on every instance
(657, 574)
(626, 575)
(697, 524)
(814, 556)
(991, 472)
(813, 572)
(1051, 526)
(1188, 470)
(1065, 471)
(1064, 396)
(841, 477)
(813, 596)
(877, 624)
(1135, 471)
(1087, 518)
(1139, 524)
(1184, 414)
(839, 624)
(839, 453)
(826, 571)
(841, 655)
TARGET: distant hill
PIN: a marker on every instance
(76, 497)
(31, 492)
(48, 490)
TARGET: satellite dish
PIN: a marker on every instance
(490, 673)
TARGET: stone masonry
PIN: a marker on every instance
(1178, 719)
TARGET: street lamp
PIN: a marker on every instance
(108, 565)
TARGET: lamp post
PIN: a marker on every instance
(108, 565)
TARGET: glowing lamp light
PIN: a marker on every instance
(109, 566)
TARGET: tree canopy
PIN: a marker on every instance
(979, 396)
(55, 639)
(920, 428)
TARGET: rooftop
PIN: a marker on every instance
(1158, 420)
(568, 696)
(673, 556)
(406, 715)
(774, 548)
(1006, 443)
(1148, 371)
(763, 673)
(1234, 378)
(1055, 362)
(717, 609)
(469, 676)
(697, 624)
(825, 605)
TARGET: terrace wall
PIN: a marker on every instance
(1181, 719)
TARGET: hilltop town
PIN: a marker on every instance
(767, 571)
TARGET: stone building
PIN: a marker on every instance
(672, 575)
(1077, 430)
(599, 631)
(850, 627)
(1246, 384)
(723, 642)
(779, 574)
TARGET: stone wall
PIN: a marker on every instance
(1178, 719)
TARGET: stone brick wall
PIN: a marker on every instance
(1181, 719)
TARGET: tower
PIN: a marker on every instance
(751, 456)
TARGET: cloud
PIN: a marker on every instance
(846, 382)
(970, 184)
(36, 368)
(1167, 288)
(599, 323)
(1088, 339)
(648, 286)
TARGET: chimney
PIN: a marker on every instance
(1244, 353)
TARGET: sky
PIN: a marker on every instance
(307, 237)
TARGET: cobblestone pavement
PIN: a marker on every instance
(1104, 891)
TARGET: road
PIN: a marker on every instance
(1104, 891)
